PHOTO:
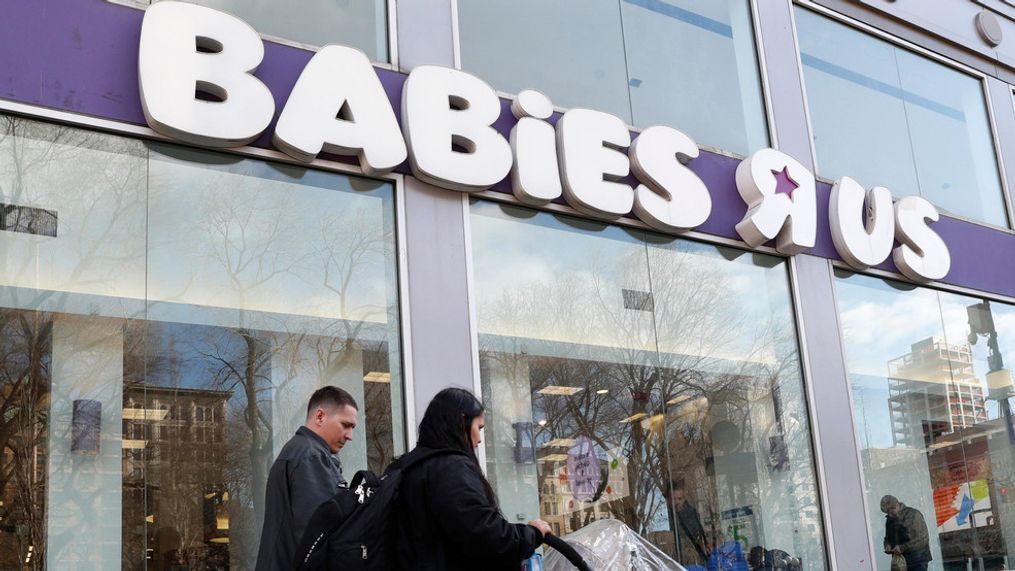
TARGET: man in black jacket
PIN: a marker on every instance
(305, 474)
(690, 532)
(906, 533)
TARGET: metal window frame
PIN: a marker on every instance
(762, 58)
(456, 36)
(470, 285)
(806, 363)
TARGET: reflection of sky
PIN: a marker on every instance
(96, 185)
(151, 221)
(881, 320)
(880, 323)
(252, 235)
(184, 356)
(870, 397)
(562, 280)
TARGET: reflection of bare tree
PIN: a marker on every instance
(244, 369)
(99, 179)
(653, 379)
(25, 339)
(350, 243)
(243, 247)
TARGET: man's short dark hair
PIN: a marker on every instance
(888, 502)
(677, 484)
(329, 397)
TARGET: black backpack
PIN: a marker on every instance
(351, 531)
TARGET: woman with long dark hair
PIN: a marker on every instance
(447, 514)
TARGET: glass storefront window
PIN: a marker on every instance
(361, 24)
(889, 117)
(689, 64)
(932, 396)
(645, 379)
(165, 314)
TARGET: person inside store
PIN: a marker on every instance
(690, 532)
(305, 474)
(906, 533)
(447, 515)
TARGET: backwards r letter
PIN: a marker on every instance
(779, 193)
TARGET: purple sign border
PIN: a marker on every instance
(81, 57)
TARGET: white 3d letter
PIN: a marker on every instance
(582, 139)
(187, 49)
(339, 105)
(862, 236)
(535, 176)
(923, 255)
(442, 107)
(671, 197)
(779, 193)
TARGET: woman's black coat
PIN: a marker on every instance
(444, 520)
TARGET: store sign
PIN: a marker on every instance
(196, 70)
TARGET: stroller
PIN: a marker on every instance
(607, 544)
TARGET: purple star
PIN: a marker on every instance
(784, 183)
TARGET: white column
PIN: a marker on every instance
(85, 489)
(509, 399)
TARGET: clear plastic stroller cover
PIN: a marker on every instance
(609, 544)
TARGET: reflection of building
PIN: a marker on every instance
(22, 483)
(933, 391)
(177, 436)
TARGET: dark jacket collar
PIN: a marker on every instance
(315, 439)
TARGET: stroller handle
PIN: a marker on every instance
(567, 551)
